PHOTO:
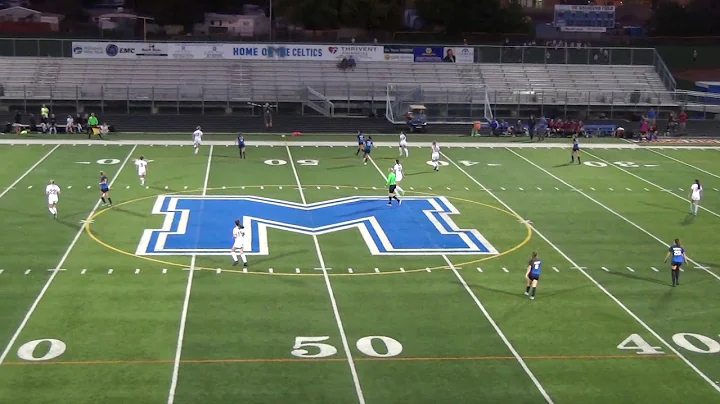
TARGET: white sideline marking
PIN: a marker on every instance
(629, 189)
(479, 269)
(521, 189)
(592, 189)
(30, 187)
(609, 209)
(1, 271)
(601, 287)
(88, 187)
(555, 269)
(649, 182)
(448, 188)
(510, 347)
(715, 189)
(654, 269)
(682, 190)
(137, 271)
(331, 294)
(684, 163)
(377, 271)
(556, 188)
(29, 170)
(539, 189)
(54, 269)
(83, 271)
(50, 280)
(69, 187)
(505, 270)
(467, 189)
(682, 270)
(611, 189)
(428, 188)
(630, 269)
(297, 270)
(27, 272)
(186, 300)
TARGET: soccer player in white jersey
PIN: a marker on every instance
(399, 175)
(238, 244)
(53, 194)
(696, 191)
(403, 145)
(197, 139)
(435, 156)
(141, 169)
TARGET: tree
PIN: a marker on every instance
(458, 16)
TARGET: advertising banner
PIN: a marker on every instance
(119, 50)
(565, 7)
(567, 28)
(199, 51)
(399, 53)
(447, 54)
(361, 53)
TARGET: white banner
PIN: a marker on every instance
(199, 51)
(307, 52)
(119, 50)
(582, 29)
(463, 55)
(562, 7)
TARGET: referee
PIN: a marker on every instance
(391, 183)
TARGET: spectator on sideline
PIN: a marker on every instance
(92, 124)
(683, 122)
(78, 122)
(44, 113)
(52, 125)
(652, 116)
(70, 124)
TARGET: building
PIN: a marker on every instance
(25, 20)
(247, 25)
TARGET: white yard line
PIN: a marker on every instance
(494, 325)
(186, 302)
(59, 266)
(610, 210)
(25, 174)
(669, 192)
(684, 163)
(333, 302)
(596, 283)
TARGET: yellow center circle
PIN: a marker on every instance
(88, 230)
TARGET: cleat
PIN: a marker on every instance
(400, 202)
(527, 294)
(389, 203)
(235, 263)
(532, 297)
(245, 265)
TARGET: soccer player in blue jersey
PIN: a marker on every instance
(367, 149)
(241, 145)
(104, 189)
(533, 275)
(361, 142)
(677, 252)
(575, 150)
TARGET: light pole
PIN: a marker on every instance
(271, 20)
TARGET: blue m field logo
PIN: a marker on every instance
(202, 225)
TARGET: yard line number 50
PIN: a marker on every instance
(315, 347)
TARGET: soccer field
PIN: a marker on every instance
(348, 300)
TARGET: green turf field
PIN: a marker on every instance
(321, 319)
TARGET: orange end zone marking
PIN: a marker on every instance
(411, 359)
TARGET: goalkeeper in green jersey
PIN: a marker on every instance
(391, 187)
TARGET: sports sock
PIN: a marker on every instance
(672, 276)
(233, 255)
(533, 291)
(103, 200)
(142, 181)
(390, 198)
(197, 150)
(527, 289)
(578, 159)
(407, 152)
(572, 158)
(677, 276)
(402, 191)
(51, 211)
(400, 149)
(243, 154)
(396, 198)
(357, 153)
(110, 200)
(696, 208)
(243, 258)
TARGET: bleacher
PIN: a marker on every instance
(286, 81)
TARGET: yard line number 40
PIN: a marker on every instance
(692, 342)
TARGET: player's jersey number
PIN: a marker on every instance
(315, 347)
(278, 162)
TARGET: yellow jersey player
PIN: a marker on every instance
(403, 145)
(197, 139)
(53, 194)
(435, 157)
(141, 165)
(238, 244)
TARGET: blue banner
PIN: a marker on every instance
(428, 54)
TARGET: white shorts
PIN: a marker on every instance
(403, 143)
(695, 198)
(239, 244)
(141, 172)
(52, 199)
(435, 156)
(197, 142)
(398, 177)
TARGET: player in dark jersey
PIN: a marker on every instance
(368, 149)
(533, 275)
(575, 150)
(241, 145)
(361, 142)
(104, 189)
(677, 252)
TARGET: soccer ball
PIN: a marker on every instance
(283, 135)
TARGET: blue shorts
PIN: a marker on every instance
(533, 277)
(677, 263)
(576, 149)
(241, 145)
(367, 150)
(360, 143)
